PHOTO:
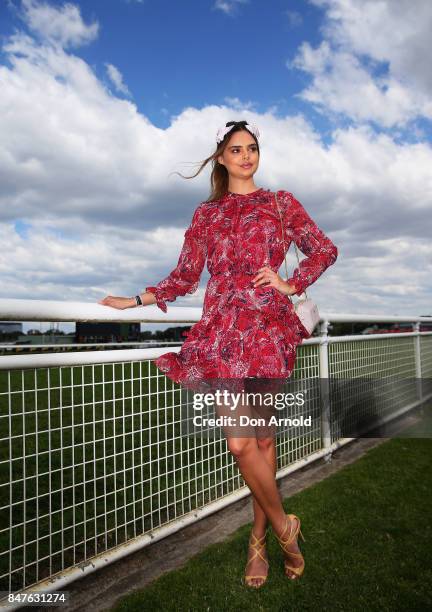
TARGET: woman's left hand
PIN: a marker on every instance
(121, 303)
(268, 277)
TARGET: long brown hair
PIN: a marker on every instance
(219, 175)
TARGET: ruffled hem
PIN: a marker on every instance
(197, 367)
(170, 366)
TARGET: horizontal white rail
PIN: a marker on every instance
(45, 310)
(48, 310)
(51, 360)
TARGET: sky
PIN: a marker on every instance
(102, 101)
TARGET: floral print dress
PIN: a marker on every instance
(245, 331)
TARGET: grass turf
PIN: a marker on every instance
(368, 546)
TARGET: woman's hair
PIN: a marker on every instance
(219, 175)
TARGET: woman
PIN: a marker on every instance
(249, 331)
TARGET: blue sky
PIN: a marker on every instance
(102, 100)
(200, 54)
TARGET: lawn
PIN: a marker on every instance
(368, 546)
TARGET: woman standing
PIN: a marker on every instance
(249, 330)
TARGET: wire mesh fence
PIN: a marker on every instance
(92, 456)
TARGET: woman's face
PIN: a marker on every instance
(241, 156)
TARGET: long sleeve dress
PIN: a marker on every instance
(245, 331)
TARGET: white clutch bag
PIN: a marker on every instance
(305, 308)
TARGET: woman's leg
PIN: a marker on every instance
(266, 437)
(256, 566)
(267, 448)
(256, 471)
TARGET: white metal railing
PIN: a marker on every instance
(93, 465)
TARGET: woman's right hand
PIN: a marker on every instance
(286, 289)
(121, 303)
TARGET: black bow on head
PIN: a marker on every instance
(241, 123)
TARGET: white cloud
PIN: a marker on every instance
(371, 64)
(229, 7)
(117, 79)
(238, 104)
(91, 175)
(59, 25)
(294, 18)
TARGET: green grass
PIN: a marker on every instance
(368, 546)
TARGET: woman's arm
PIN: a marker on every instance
(121, 303)
(319, 249)
(185, 276)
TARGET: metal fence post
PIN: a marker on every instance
(417, 359)
(324, 386)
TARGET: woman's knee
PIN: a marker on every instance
(241, 446)
(265, 443)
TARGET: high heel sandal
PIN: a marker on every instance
(258, 546)
(298, 571)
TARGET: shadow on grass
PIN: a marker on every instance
(368, 546)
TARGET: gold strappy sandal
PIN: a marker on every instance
(298, 571)
(257, 546)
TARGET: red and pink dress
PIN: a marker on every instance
(244, 331)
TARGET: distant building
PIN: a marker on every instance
(107, 332)
(8, 327)
(30, 339)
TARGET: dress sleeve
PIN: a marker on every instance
(319, 249)
(186, 275)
